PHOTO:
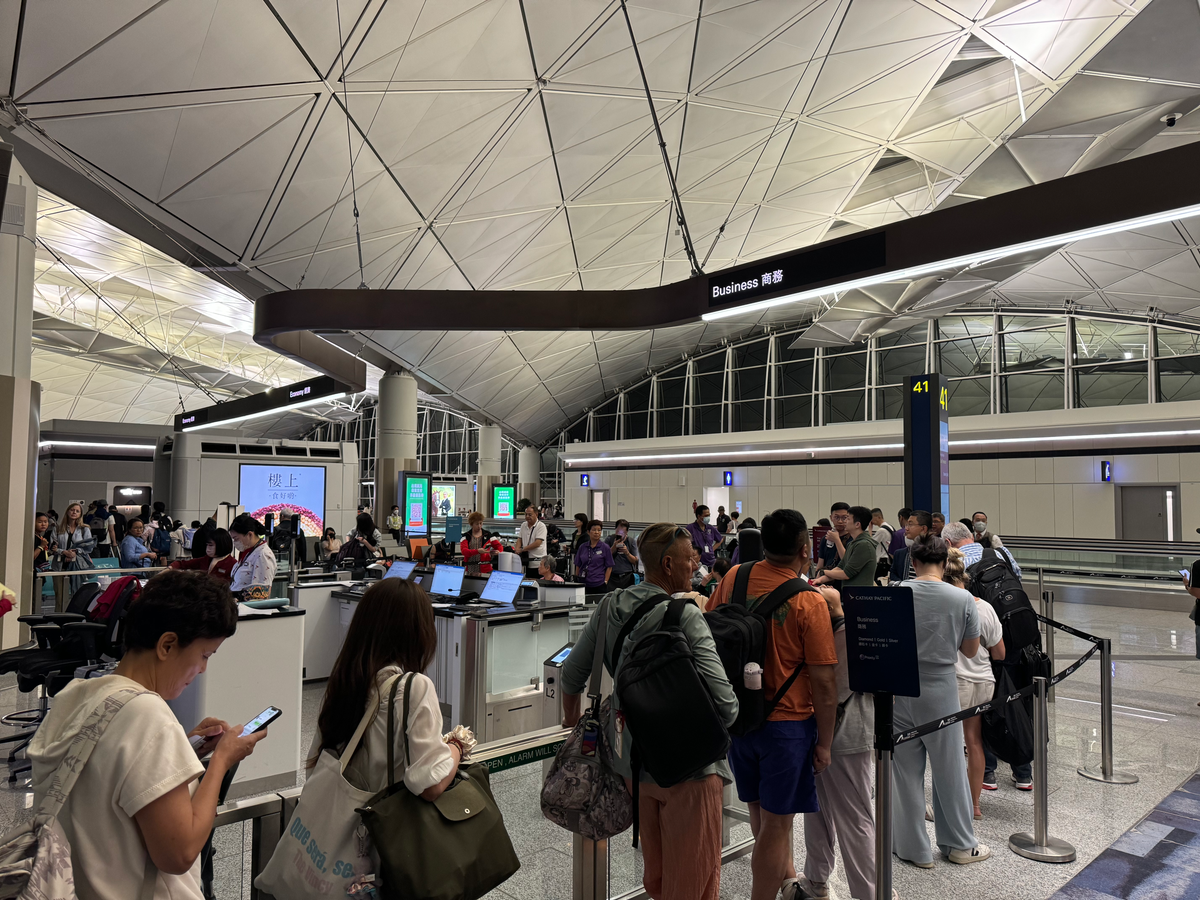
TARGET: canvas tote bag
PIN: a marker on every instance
(35, 858)
(325, 844)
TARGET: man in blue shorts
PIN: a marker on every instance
(774, 765)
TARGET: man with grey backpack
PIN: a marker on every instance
(680, 822)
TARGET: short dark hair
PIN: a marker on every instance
(701, 509)
(129, 525)
(876, 509)
(929, 548)
(937, 515)
(247, 524)
(193, 605)
(837, 507)
(620, 522)
(784, 533)
(905, 512)
(735, 514)
(159, 506)
(224, 542)
(922, 517)
(968, 523)
(594, 523)
(824, 523)
(748, 522)
(862, 516)
(721, 566)
(195, 523)
(978, 512)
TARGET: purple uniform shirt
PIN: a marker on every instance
(704, 539)
(593, 561)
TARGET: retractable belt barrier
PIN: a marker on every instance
(996, 702)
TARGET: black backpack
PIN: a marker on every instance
(1008, 728)
(993, 581)
(676, 728)
(742, 636)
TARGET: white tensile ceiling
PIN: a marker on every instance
(509, 143)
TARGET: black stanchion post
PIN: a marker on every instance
(1105, 772)
(884, 745)
(1039, 845)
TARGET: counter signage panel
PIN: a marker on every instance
(280, 490)
(800, 271)
(443, 500)
(414, 489)
(416, 495)
(881, 640)
(504, 501)
(927, 443)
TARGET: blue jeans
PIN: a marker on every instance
(1021, 773)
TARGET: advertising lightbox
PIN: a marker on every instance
(284, 490)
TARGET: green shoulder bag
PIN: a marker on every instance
(455, 848)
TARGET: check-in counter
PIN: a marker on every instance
(259, 666)
(323, 629)
(488, 667)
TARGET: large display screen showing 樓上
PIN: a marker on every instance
(284, 490)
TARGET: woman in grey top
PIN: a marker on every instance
(947, 622)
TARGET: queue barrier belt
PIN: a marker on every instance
(902, 737)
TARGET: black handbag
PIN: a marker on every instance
(455, 848)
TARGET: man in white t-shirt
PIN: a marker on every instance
(531, 540)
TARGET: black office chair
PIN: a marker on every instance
(73, 645)
(750, 545)
(43, 646)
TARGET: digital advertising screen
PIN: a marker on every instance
(284, 490)
(415, 504)
(504, 501)
(443, 500)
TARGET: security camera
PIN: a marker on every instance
(1170, 119)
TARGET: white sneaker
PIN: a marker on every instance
(803, 889)
(966, 857)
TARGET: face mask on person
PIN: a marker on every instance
(980, 527)
(908, 542)
(706, 518)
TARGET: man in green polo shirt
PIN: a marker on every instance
(858, 565)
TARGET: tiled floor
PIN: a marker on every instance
(1158, 858)
(1156, 735)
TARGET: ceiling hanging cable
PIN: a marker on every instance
(362, 281)
(680, 220)
(170, 359)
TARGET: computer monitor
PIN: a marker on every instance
(447, 580)
(502, 587)
(401, 569)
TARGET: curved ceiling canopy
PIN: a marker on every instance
(509, 145)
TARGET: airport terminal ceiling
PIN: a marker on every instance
(509, 145)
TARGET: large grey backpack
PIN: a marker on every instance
(583, 792)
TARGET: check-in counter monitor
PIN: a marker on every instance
(552, 710)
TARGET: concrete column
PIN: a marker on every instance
(489, 467)
(20, 406)
(395, 437)
(529, 466)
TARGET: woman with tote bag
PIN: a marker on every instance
(390, 642)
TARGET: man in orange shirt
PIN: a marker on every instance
(774, 765)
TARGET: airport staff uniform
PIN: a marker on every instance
(946, 616)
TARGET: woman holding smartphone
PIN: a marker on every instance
(75, 546)
(143, 806)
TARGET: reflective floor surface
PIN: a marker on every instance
(1156, 736)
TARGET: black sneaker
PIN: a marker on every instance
(989, 782)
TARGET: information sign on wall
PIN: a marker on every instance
(927, 444)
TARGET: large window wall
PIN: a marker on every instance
(447, 445)
(995, 362)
